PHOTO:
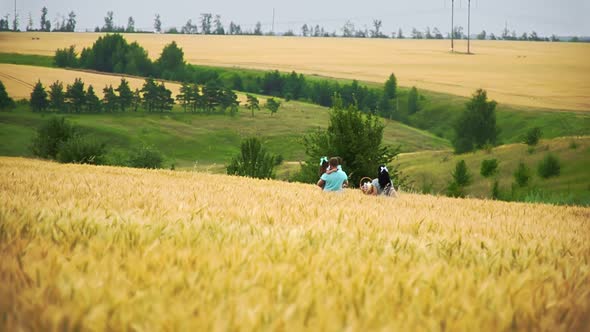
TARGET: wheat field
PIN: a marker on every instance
(19, 80)
(105, 248)
(535, 74)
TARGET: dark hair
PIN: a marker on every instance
(334, 162)
(323, 168)
(384, 178)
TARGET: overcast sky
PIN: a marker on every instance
(546, 17)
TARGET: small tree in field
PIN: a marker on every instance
(461, 179)
(522, 175)
(50, 136)
(39, 101)
(125, 95)
(5, 101)
(549, 166)
(272, 105)
(252, 103)
(476, 127)
(57, 96)
(489, 167)
(533, 136)
(253, 161)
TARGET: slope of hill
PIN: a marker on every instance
(538, 74)
(99, 248)
(431, 171)
(204, 141)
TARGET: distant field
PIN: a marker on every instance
(545, 75)
(434, 168)
(86, 248)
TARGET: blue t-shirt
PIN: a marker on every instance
(334, 180)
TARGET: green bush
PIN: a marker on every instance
(549, 166)
(146, 157)
(496, 190)
(461, 175)
(252, 161)
(81, 150)
(455, 190)
(50, 136)
(532, 137)
(489, 167)
(66, 57)
(522, 175)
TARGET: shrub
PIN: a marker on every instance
(50, 136)
(573, 145)
(489, 167)
(146, 157)
(522, 175)
(461, 175)
(253, 161)
(66, 57)
(5, 101)
(82, 150)
(532, 137)
(496, 190)
(549, 166)
(455, 190)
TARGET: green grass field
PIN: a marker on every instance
(203, 141)
(430, 171)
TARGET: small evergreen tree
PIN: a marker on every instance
(125, 95)
(489, 167)
(413, 106)
(92, 101)
(533, 136)
(110, 100)
(253, 161)
(75, 95)
(549, 167)
(476, 127)
(5, 101)
(252, 103)
(184, 95)
(390, 89)
(461, 175)
(39, 100)
(57, 96)
(522, 175)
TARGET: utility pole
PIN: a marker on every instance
(453, 26)
(273, 21)
(468, 25)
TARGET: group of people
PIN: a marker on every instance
(333, 178)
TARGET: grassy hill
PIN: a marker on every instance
(109, 248)
(204, 141)
(431, 171)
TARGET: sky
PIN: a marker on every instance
(546, 17)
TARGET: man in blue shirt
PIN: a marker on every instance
(334, 181)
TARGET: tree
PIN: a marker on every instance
(130, 25)
(5, 100)
(428, 34)
(56, 96)
(109, 100)
(253, 161)
(533, 136)
(272, 105)
(184, 95)
(348, 29)
(189, 28)
(482, 35)
(136, 100)
(228, 99)
(461, 178)
(50, 136)
(108, 22)
(476, 127)
(211, 96)
(39, 101)
(157, 24)
(4, 24)
(304, 30)
(218, 26)
(164, 100)
(66, 57)
(417, 34)
(75, 95)
(206, 23)
(92, 101)
(489, 167)
(125, 95)
(356, 138)
(234, 29)
(413, 105)
(258, 29)
(549, 166)
(45, 23)
(171, 63)
(376, 33)
(437, 34)
(15, 22)
(400, 34)
(522, 175)
(71, 23)
(390, 89)
(150, 94)
(30, 23)
(252, 103)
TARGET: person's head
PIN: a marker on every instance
(334, 162)
(323, 165)
(383, 176)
